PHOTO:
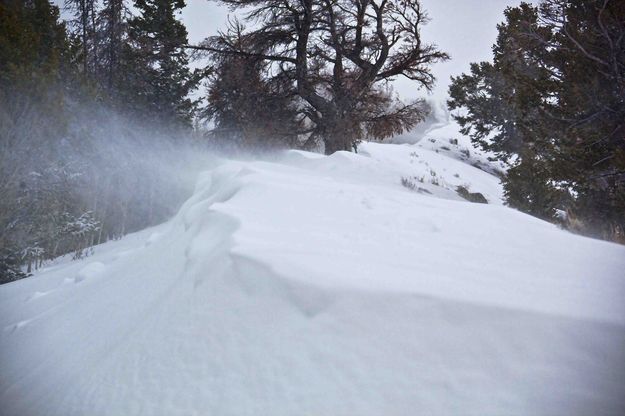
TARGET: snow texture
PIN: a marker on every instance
(313, 285)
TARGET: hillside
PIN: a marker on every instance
(306, 284)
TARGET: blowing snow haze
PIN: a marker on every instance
(204, 218)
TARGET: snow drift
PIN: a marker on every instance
(321, 285)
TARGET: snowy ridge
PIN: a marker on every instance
(321, 285)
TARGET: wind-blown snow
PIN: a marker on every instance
(321, 285)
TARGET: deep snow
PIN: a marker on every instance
(322, 286)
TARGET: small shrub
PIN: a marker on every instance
(412, 185)
(408, 183)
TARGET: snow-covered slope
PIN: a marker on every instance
(322, 286)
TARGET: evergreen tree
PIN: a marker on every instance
(158, 63)
(73, 173)
(247, 109)
(553, 100)
(490, 125)
(85, 15)
(35, 64)
(113, 29)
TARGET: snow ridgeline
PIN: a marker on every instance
(321, 285)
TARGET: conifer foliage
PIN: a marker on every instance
(72, 117)
(249, 110)
(553, 103)
(160, 65)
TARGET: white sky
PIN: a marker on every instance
(466, 29)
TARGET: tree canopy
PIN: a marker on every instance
(339, 56)
(553, 102)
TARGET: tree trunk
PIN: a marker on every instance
(336, 143)
(338, 137)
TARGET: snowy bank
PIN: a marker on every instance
(321, 285)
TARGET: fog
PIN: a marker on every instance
(79, 174)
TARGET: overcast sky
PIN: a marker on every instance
(466, 29)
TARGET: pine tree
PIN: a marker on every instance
(85, 15)
(553, 100)
(35, 68)
(70, 176)
(112, 33)
(249, 110)
(159, 65)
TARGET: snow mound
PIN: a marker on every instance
(322, 285)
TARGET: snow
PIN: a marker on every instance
(306, 284)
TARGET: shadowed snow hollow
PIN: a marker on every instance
(321, 285)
